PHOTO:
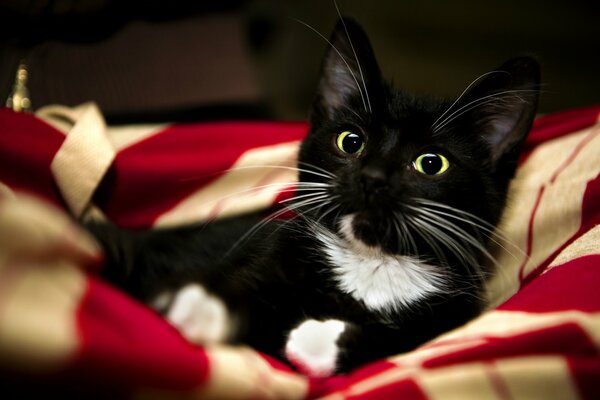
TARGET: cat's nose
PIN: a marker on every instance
(373, 180)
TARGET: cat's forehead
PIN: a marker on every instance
(404, 117)
(404, 110)
(398, 119)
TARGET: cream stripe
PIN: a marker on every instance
(465, 381)
(232, 193)
(562, 200)
(238, 373)
(125, 136)
(436, 348)
(373, 382)
(83, 159)
(88, 152)
(6, 192)
(38, 328)
(522, 377)
(511, 323)
(334, 396)
(537, 378)
(473, 379)
(41, 284)
(455, 382)
(586, 245)
(558, 215)
(498, 324)
(63, 118)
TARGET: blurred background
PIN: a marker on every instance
(153, 60)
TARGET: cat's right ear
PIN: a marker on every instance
(349, 73)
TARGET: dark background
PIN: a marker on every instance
(165, 60)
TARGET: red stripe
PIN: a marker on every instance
(403, 389)
(585, 372)
(319, 387)
(125, 344)
(27, 148)
(153, 176)
(567, 338)
(551, 126)
(530, 233)
(571, 286)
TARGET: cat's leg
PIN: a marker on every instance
(322, 348)
(199, 316)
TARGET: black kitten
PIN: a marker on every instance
(388, 250)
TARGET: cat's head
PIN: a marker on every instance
(408, 175)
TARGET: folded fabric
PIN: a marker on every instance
(63, 331)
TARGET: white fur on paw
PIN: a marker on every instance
(312, 346)
(199, 316)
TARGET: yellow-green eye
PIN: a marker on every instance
(431, 164)
(350, 142)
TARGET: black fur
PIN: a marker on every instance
(279, 277)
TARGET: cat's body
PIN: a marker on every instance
(400, 196)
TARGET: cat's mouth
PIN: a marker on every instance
(366, 230)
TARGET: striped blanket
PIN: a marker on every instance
(65, 332)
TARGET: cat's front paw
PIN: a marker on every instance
(199, 316)
(312, 346)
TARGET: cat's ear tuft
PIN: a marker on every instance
(349, 71)
(502, 105)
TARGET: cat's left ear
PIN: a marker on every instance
(501, 107)
(349, 73)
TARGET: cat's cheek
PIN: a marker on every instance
(199, 316)
(312, 347)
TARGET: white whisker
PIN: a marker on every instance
(266, 166)
(459, 251)
(252, 231)
(477, 103)
(317, 168)
(329, 211)
(488, 233)
(399, 232)
(483, 224)
(461, 233)
(409, 236)
(456, 210)
(362, 96)
(312, 194)
(431, 241)
(352, 111)
(355, 56)
(306, 202)
(286, 187)
(463, 93)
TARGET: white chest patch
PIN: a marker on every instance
(381, 281)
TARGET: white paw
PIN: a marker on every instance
(199, 316)
(312, 346)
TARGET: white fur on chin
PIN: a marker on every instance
(383, 282)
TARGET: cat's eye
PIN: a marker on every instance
(350, 142)
(431, 164)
